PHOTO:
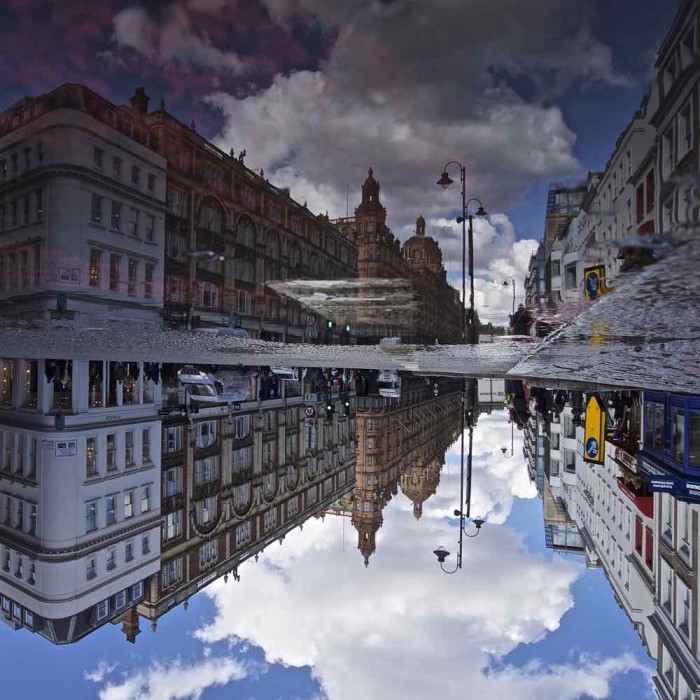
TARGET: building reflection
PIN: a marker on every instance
(126, 487)
(401, 440)
(79, 492)
(635, 514)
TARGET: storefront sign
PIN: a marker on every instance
(594, 437)
(594, 282)
(682, 489)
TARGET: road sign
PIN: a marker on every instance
(309, 411)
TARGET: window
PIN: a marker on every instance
(668, 669)
(135, 175)
(91, 516)
(650, 189)
(683, 608)
(114, 272)
(91, 457)
(116, 214)
(111, 452)
(133, 221)
(206, 470)
(694, 438)
(556, 268)
(129, 449)
(111, 504)
(128, 504)
(98, 156)
(243, 534)
(570, 276)
(117, 164)
(208, 295)
(145, 446)
(91, 570)
(171, 573)
(146, 499)
(668, 153)
(94, 277)
(292, 506)
(120, 600)
(172, 481)
(151, 183)
(95, 210)
(208, 553)
(38, 205)
(128, 551)
(173, 439)
(666, 597)
(111, 559)
(148, 281)
(150, 227)
(205, 435)
(173, 525)
(132, 279)
(145, 544)
(685, 131)
(102, 609)
(137, 591)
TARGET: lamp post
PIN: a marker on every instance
(441, 553)
(445, 181)
(505, 284)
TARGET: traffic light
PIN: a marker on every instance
(329, 410)
(346, 407)
(330, 325)
(347, 327)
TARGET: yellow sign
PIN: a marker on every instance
(594, 437)
(594, 282)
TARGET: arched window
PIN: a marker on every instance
(211, 216)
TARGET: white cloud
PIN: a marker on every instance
(401, 628)
(103, 670)
(176, 680)
(173, 38)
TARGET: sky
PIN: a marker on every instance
(318, 91)
(308, 620)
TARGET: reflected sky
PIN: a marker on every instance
(307, 618)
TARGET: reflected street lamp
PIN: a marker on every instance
(441, 553)
(445, 181)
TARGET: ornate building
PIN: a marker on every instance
(436, 308)
(389, 451)
(237, 477)
(110, 208)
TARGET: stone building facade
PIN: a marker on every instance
(436, 309)
(110, 209)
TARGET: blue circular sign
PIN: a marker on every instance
(593, 285)
(592, 447)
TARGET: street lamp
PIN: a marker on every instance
(505, 284)
(445, 181)
(441, 553)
